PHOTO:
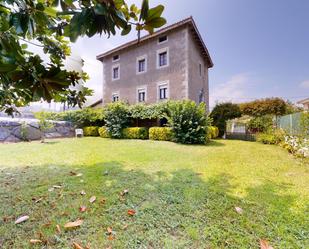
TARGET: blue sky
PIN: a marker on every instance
(260, 48)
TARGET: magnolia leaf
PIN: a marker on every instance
(7, 68)
(73, 224)
(265, 245)
(58, 229)
(155, 12)
(239, 210)
(82, 209)
(131, 212)
(92, 199)
(35, 241)
(77, 246)
(22, 219)
(50, 11)
(144, 10)
(126, 30)
(156, 22)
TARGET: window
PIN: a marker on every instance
(141, 95)
(162, 39)
(200, 69)
(162, 58)
(163, 91)
(116, 72)
(116, 58)
(115, 97)
(141, 64)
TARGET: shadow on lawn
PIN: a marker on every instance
(174, 210)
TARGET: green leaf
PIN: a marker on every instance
(155, 12)
(4, 68)
(156, 22)
(50, 11)
(126, 30)
(144, 10)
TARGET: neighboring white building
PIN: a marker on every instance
(304, 103)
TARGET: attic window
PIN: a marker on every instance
(116, 57)
(162, 39)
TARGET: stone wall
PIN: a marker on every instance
(16, 130)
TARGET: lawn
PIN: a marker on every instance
(184, 196)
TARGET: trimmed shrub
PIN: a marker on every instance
(116, 118)
(135, 133)
(273, 137)
(213, 132)
(91, 131)
(161, 133)
(188, 121)
(103, 132)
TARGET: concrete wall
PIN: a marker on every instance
(16, 130)
(174, 74)
(197, 82)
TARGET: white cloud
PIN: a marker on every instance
(235, 89)
(305, 84)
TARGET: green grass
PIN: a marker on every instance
(184, 196)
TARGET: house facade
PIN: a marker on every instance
(172, 63)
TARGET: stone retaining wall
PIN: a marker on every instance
(16, 130)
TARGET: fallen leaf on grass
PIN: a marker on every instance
(72, 173)
(265, 245)
(79, 174)
(36, 241)
(131, 212)
(77, 246)
(109, 230)
(239, 210)
(73, 224)
(111, 237)
(57, 186)
(82, 192)
(92, 199)
(58, 229)
(22, 219)
(125, 227)
(124, 192)
(82, 209)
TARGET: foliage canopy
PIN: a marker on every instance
(50, 25)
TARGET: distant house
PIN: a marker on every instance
(171, 63)
(305, 103)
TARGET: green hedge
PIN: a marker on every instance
(161, 133)
(273, 137)
(103, 132)
(91, 131)
(213, 132)
(135, 133)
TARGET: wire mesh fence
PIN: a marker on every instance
(290, 123)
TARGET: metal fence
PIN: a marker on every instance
(290, 123)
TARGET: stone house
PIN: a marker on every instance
(171, 63)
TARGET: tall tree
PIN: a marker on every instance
(51, 25)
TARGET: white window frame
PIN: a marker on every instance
(162, 50)
(144, 88)
(143, 57)
(115, 94)
(116, 59)
(160, 84)
(162, 41)
(113, 67)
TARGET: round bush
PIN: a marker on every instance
(91, 131)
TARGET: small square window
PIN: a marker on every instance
(142, 65)
(162, 39)
(163, 59)
(163, 92)
(115, 97)
(141, 95)
(116, 73)
(116, 57)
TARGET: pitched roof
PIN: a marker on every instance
(303, 101)
(188, 21)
